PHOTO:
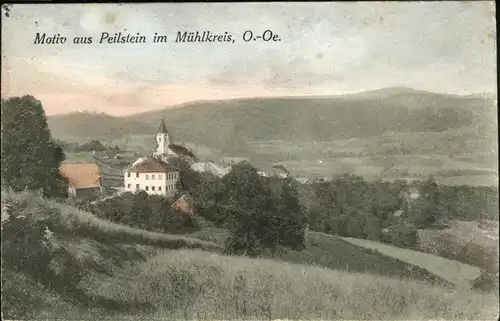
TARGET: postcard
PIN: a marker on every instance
(237, 161)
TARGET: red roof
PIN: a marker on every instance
(152, 165)
(82, 175)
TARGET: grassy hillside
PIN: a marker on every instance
(353, 255)
(83, 126)
(459, 274)
(130, 274)
(69, 221)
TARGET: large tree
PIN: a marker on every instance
(292, 214)
(250, 203)
(30, 158)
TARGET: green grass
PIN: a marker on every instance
(200, 285)
(336, 253)
(134, 274)
(65, 219)
(459, 274)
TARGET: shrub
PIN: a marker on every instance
(404, 235)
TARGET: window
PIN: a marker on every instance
(128, 174)
(159, 188)
(136, 174)
(153, 177)
(152, 188)
(128, 185)
(136, 186)
(159, 176)
(147, 177)
(146, 188)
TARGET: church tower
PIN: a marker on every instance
(162, 140)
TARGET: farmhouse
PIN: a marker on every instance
(152, 175)
(85, 180)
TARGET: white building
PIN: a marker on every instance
(163, 143)
(153, 176)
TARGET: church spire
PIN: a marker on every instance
(163, 128)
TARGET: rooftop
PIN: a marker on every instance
(82, 175)
(151, 164)
(181, 151)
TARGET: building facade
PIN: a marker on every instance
(153, 176)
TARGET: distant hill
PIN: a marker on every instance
(227, 124)
(84, 126)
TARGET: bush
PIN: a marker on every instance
(140, 210)
(404, 235)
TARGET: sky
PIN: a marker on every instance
(326, 48)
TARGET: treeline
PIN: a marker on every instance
(347, 205)
(89, 146)
(261, 213)
(383, 211)
(350, 206)
(140, 210)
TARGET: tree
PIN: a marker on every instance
(30, 158)
(293, 215)
(429, 205)
(404, 235)
(188, 178)
(249, 200)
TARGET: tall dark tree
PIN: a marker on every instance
(293, 214)
(249, 201)
(30, 158)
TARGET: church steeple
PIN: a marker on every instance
(162, 140)
(163, 128)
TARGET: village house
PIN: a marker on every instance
(153, 176)
(184, 204)
(85, 180)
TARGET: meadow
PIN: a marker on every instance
(134, 274)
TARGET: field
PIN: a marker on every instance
(350, 254)
(133, 274)
(381, 158)
(459, 274)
